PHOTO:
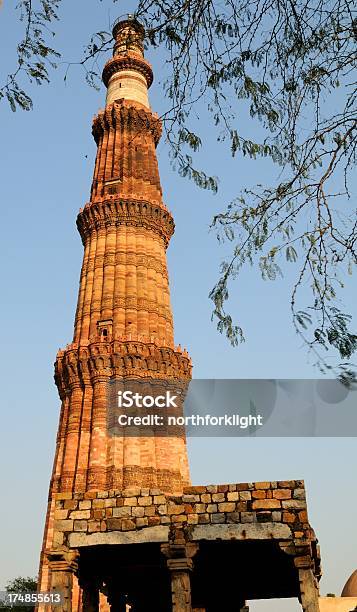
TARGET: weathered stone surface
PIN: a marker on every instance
(123, 512)
(145, 501)
(206, 498)
(99, 513)
(299, 494)
(218, 517)
(260, 494)
(175, 509)
(289, 517)
(155, 492)
(248, 517)
(189, 498)
(149, 510)
(234, 517)
(58, 539)
(192, 519)
(61, 515)
(295, 504)
(159, 499)
(94, 526)
(218, 497)
(70, 504)
(248, 531)
(65, 525)
(194, 490)
(80, 514)
(64, 495)
(286, 484)
(149, 534)
(282, 494)
(90, 495)
(262, 485)
(85, 504)
(114, 523)
(303, 516)
(226, 507)
(232, 496)
(132, 492)
(80, 525)
(179, 518)
(131, 501)
(245, 495)
(98, 503)
(127, 525)
(137, 512)
(102, 494)
(203, 518)
(266, 503)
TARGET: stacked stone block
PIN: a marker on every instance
(137, 508)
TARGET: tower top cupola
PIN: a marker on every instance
(128, 75)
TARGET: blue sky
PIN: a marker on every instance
(46, 170)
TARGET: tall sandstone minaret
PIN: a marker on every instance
(123, 324)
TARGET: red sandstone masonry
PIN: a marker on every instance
(124, 292)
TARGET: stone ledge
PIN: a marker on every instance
(256, 531)
(151, 534)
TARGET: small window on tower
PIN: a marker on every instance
(105, 329)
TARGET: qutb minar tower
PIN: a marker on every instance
(123, 324)
(125, 530)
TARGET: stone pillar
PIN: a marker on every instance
(180, 565)
(90, 595)
(309, 592)
(63, 564)
(116, 598)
